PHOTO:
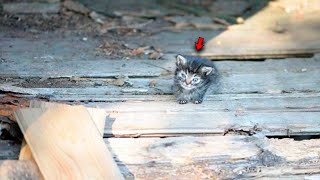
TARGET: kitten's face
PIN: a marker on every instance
(190, 78)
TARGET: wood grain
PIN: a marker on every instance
(64, 141)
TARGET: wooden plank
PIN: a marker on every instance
(98, 117)
(144, 68)
(226, 157)
(244, 103)
(223, 157)
(31, 8)
(281, 29)
(229, 84)
(139, 98)
(274, 114)
(75, 128)
(97, 68)
(180, 123)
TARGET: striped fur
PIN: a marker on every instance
(193, 77)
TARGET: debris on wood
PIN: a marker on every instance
(115, 48)
(278, 28)
(229, 8)
(204, 23)
(134, 90)
(11, 102)
(221, 21)
(31, 8)
(153, 83)
(152, 52)
(10, 88)
(75, 7)
(98, 18)
(153, 13)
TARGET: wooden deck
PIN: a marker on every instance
(225, 137)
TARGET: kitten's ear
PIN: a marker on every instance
(181, 61)
(207, 70)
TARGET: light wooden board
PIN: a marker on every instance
(283, 28)
(78, 138)
(98, 117)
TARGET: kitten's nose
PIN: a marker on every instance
(188, 82)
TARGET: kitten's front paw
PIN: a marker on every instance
(197, 101)
(182, 101)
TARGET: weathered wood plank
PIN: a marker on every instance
(140, 98)
(245, 103)
(229, 84)
(56, 69)
(87, 147)
(31, 8)
(223, 157)
(178, 123)
(281, 29)
(274, 114)
(144, 68)
(226, 157)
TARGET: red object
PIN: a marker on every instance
(199, 44)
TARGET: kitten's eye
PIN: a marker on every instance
(195, 80)
(183, 75)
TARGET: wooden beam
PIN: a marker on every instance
(76, 129)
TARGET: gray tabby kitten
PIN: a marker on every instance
(193, 76)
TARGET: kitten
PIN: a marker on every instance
(193, 77)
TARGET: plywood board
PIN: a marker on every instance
(282, 29)
(56, 134)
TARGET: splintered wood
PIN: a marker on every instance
(66, 143)
(282, 29)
